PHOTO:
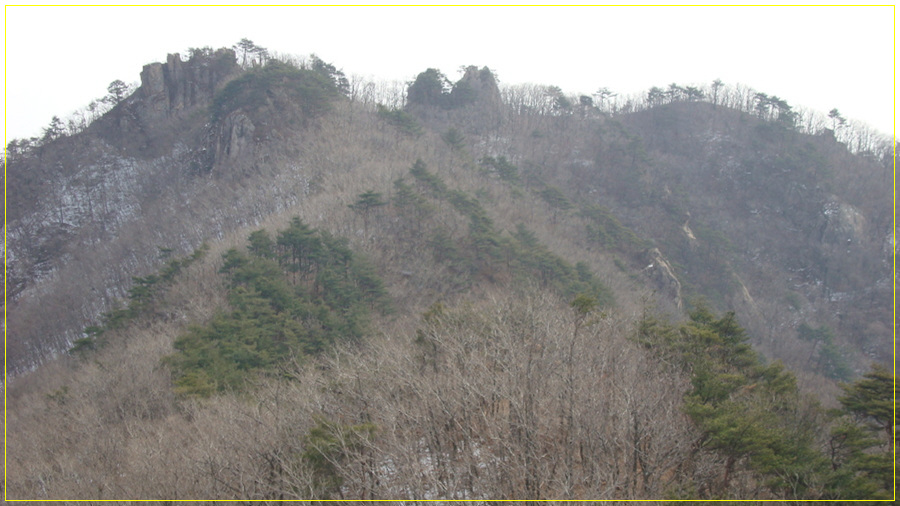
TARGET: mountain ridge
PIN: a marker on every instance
(173, 93)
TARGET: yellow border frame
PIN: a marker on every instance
(5, 245)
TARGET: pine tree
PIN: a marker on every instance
(862, 441)
(365, 204)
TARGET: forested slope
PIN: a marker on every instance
(268, 281)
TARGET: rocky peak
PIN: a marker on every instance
(482, 83)
(169, 88)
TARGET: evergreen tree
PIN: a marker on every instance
(246, 49)
(117, 92)
(261, 244)
(871, 401)
(454, 139)
(55, 130)
(837, 120)
(272, 320)
(330, 72)
(863, 440)
(298, 244)
(748, 412)
(430, 89)
(365, 204)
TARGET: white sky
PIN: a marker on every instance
(59, 58)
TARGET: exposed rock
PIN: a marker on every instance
(686, 227)
(235, 139)
(151, 121)
(744, 298)
(843, 223)
(662, 275)
(172, 87)
(481, 83)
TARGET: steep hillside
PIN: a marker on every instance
(160, 172)
(785, 227)
(269, 282)
(788, 229)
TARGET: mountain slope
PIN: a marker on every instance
(524, 251)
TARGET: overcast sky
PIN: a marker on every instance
(60, 58)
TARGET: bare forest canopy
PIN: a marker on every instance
(254, 277)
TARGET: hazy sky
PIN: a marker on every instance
(59, 58)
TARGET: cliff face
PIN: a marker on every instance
(90, 210)
(92, 182)
(168, 89)
(169, 106)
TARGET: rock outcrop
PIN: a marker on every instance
(235, 139)
(662, 276)
(842, 223)
(170, 88)
(152, 120)
(480, 85)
